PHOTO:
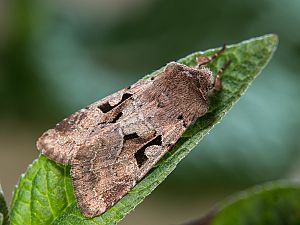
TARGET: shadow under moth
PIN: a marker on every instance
(112, 143)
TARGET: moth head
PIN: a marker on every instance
(207, 74)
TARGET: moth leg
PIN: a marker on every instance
(217, 81)
(203, 60)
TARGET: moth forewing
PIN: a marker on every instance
(114, 142)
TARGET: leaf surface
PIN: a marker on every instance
(3, 209)
(273, 203)
(44, 194)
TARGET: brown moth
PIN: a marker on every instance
(112, 143)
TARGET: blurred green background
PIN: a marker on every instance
(58, 56)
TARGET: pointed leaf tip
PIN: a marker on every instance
(44, 194)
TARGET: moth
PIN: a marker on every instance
(112, 143)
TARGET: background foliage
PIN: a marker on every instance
(44, 194)
(55, 55)
(274, 203)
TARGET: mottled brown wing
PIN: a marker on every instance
(114, 142)
(114, 157)
(110, 164)
(62, 142)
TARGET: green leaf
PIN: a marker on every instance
(3, 209)
(44, 193)
(273, 203)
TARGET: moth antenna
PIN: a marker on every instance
(217, 81)
(203, 60)
(218, 53)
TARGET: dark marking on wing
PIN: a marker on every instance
(106, 107)
(180, 117)
(140, 156)
(118, 116)
(130, 136)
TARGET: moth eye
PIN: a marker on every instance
(140, 155)
(106, 107)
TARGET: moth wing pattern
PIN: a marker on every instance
(63, 141)
(114, 142)
(119, 154)
(108, 166)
